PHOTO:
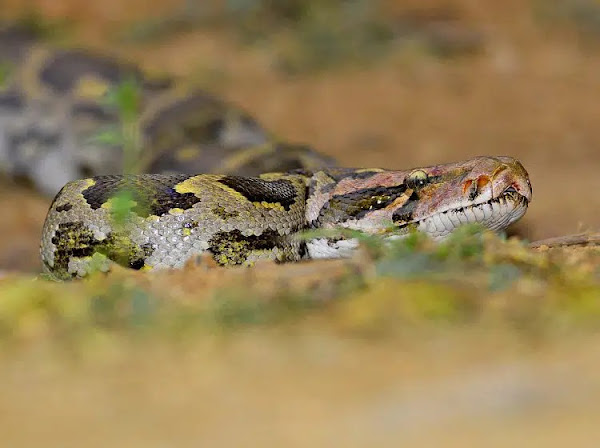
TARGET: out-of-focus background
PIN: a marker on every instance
(392, 84)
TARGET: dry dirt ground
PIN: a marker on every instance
(532, 94)
(308, 390)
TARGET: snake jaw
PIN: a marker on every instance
(496, 193)
(495, 214)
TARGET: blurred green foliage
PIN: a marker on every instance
(126, 99)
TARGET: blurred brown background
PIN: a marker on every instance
(395, 84)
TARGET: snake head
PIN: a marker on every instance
(492, 191)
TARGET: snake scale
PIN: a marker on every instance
(256, 195)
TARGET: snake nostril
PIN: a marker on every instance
(474, 188)
(467, 185)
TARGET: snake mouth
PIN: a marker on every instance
(494, 214)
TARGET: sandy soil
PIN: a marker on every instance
(306, 389)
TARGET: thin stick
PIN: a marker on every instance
(568, 240)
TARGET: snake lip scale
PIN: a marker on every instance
(510, 198)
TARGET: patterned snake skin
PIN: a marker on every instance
(160, 221)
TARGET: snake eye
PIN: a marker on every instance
(417, 179)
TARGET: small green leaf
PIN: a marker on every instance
(109, 137)
(121, 205)
(126, 98)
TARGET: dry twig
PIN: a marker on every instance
(580, 239)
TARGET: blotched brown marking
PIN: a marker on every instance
(358, 203)
(349, 173)
(15, 39)
(316, 186)
(136, 258)
(68, 66)
(303, 249)
(283, 157)
(287, 157)
(405, 213)
(64, 207)
(13, 101)
(72, 239)
(94, 111)
(279, 191)
(137, 264)
(234, 247)
(43, 137)
(154, 194)
(193, 119)
(75, 240)
(57, 197)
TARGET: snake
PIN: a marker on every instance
(256, 196)
(162, 221)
